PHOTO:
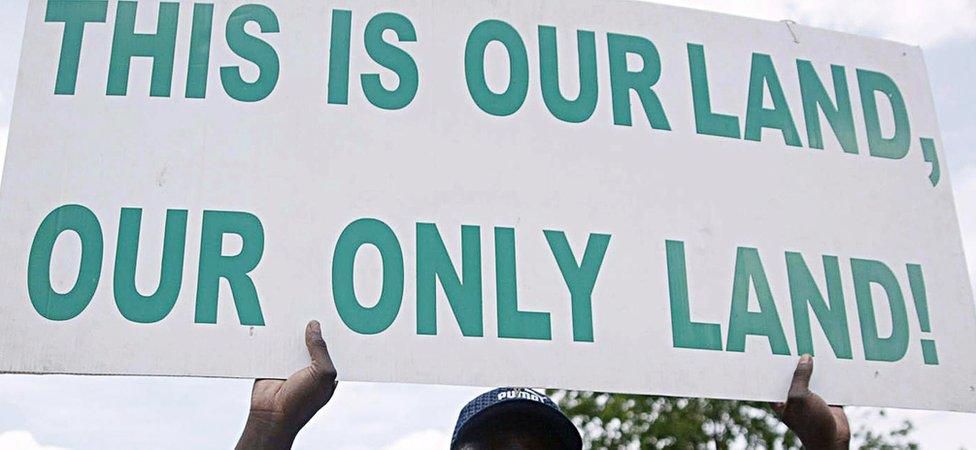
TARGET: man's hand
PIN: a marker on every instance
(280, 408)
(819, 426)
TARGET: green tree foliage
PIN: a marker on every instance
(898, 438)
(615, 421)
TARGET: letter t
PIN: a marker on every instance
(75, 14)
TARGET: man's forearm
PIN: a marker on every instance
(828, 446)
(827, 437)
(265, 432)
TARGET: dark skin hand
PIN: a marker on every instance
(818, 425)
(280, 408)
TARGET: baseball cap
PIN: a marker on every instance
(500, 402)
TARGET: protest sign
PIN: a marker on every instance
(598, 195)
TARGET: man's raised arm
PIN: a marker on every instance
(280, 408)
(818, 425)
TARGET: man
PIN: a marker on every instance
(503, 419)
(516, 419)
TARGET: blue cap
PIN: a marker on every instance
(479, 412)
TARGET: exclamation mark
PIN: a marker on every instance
(917, 282)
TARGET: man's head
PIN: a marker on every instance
(514, 419)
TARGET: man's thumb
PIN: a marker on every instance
(317, 349)
(801, 376)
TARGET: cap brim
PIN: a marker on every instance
(561, 427)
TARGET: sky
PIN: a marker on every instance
(52, 412)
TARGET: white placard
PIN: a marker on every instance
(598, 195)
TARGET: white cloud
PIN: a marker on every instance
(925, 23)
(422, 440)
(22, 440)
